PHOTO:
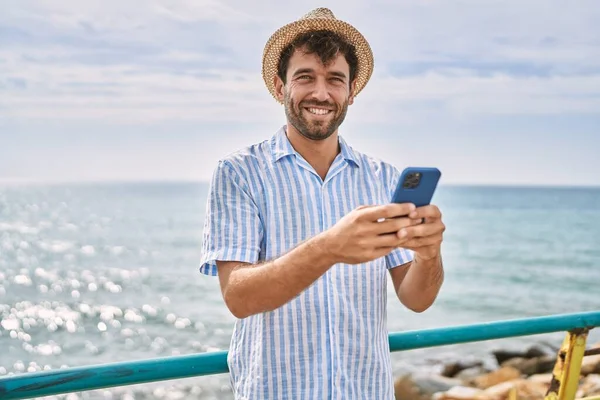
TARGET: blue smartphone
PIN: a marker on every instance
(417, 185)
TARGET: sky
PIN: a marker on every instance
(490, 92)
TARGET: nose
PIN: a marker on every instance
(320, 90)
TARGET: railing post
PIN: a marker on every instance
(567, 370)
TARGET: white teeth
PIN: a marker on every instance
(318, 111)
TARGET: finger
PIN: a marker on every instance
(422, 230)
(377, 252)
(387, 211)
(430, 212)
(361, 207)
(393, 225)
(385, 240)
(420, 242)
(393, 239)
(413, 243)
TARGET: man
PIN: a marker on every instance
(301, 233)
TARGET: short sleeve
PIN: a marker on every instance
(398, 256)
(232, 226)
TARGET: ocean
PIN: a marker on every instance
(98, 273)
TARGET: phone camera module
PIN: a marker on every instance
(412, 180)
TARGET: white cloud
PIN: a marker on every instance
(143, 61)
(151, 98)
(130, 93)
(207, 10)
(122, 15)
(125, 94)
(499, 94)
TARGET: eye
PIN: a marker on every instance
(304, 77)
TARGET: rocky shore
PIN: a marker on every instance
(530, 372)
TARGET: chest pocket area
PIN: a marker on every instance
(360, 279)
(354, 191)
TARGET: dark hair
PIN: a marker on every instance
(326, 44)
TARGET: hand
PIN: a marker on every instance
(367, 233)
(424, 239)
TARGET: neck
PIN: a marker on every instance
(318, 153)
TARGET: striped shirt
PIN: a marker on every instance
(331, 341)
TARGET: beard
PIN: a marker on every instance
(314, 129)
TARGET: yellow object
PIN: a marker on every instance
(567, 370)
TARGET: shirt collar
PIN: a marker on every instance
(348, 152)
(281, 147)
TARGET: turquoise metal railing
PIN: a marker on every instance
(36, 384)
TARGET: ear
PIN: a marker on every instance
(352, 91)
(279, 85)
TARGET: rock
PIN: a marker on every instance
(452, 369)
(537, 350)
(530, 390)
(552, 346)
(541, 378)
(505, 355)
(467, 375)
(526, 390)
(532, 366)
(589, 387)
(459, 393)
(500, 391)
(405, 389)
(430, 384)
(493, 378)
(590, 365)
(540, 350)
(422, 386)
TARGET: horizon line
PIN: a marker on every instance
(109, 182)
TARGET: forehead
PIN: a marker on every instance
(302, 60)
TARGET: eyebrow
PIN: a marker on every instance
(303, 71)
(338, 74)
(310, 70)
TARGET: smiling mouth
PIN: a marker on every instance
(318, 111)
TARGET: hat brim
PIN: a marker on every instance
(286, 34)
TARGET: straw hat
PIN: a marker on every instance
(317, 19)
